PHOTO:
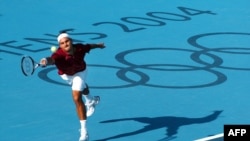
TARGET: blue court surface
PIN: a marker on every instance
(171, 70)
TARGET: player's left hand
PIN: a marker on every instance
(101, 45)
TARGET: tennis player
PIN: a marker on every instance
(69, 60)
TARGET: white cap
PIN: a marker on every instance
(62, 35)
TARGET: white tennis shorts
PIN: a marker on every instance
(77, 81)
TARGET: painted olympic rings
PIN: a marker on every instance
(205, 60)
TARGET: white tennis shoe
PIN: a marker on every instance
(91, 105)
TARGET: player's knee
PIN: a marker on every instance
(85, 91)
(77, 97)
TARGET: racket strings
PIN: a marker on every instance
(27, 66)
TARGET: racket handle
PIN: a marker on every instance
(37, 65)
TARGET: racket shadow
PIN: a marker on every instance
(171, 123)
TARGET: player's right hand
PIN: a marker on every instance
(43, 62)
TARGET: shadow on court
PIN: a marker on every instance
(171, 123)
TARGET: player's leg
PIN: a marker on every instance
(81, 112)
(80, 106)
(76, 83)
(77, 87)
(90, 101)
(85, 92)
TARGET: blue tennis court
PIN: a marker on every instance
(171, 70)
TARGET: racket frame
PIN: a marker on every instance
(33, 67)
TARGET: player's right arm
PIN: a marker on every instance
(47, 61)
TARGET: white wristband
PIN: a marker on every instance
(44, 60)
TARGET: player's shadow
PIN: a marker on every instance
(171, 123)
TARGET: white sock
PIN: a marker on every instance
(83, 125)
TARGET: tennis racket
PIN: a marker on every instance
(28, 65)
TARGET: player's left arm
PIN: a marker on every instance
(98, 45)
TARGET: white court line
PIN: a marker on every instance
(211, 137)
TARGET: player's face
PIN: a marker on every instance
(65, 44)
